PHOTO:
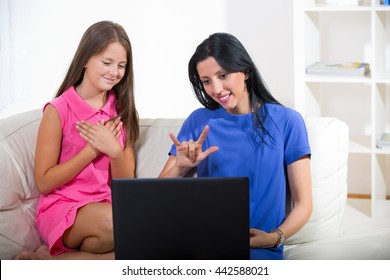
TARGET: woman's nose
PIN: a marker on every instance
(217, 87)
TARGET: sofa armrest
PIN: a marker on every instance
(328, 138)
(19, 195)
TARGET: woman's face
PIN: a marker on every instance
(104, 70)
(228, 89)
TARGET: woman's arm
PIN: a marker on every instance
(172, 170)
(299, 178)
(48, 173)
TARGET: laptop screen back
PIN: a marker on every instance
(181, 218)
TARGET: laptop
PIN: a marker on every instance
(181, 218)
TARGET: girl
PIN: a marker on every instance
(85, 138)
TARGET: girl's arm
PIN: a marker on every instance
(123, 165)
(48, 173)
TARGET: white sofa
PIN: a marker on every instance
(334, 231)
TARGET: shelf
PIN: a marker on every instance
(385, 151)
(382, 8)
(381, 209)
(363, 205)
(319, 7)
(336, 79)
(383, 77)
(349, 33)
(359, 144)
(359, 174)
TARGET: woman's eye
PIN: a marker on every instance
(223, 76)
(106, 63)
(206, 82)
(120, 66)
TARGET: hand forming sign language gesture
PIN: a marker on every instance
(189, 153)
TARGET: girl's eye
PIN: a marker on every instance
(206, 82)
(106, 63)
(120, 66)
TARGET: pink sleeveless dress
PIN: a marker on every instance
(57, 211)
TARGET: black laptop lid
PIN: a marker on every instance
(181, 218)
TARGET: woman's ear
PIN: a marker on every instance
(246, 72)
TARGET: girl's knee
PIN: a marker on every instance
(107, 222)
(98, 229)
(106, 231)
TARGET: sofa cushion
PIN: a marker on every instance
(328, 138)
(366, 244)
(154, 144)
(17, 187)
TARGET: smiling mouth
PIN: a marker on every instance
(110, 80)
(224, 98)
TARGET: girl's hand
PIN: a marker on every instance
(102, 136)
(114, 125)
(189, 154)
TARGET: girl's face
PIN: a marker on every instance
(104, 70)
(228, 89)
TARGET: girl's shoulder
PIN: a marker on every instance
(59, 101)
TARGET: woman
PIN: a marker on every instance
(244, 131)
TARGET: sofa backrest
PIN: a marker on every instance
(153, 145)
(328, 139)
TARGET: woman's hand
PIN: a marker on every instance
(102, 136)
(189, 153)
(261, 239)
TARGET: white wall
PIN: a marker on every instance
(44, 35)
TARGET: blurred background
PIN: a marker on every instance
(39, 38)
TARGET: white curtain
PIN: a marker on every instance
(6, 99)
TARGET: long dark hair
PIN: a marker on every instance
(231, 55)
(95, 40)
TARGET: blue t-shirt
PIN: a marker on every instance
(242, 153)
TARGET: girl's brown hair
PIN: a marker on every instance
(95, 40)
